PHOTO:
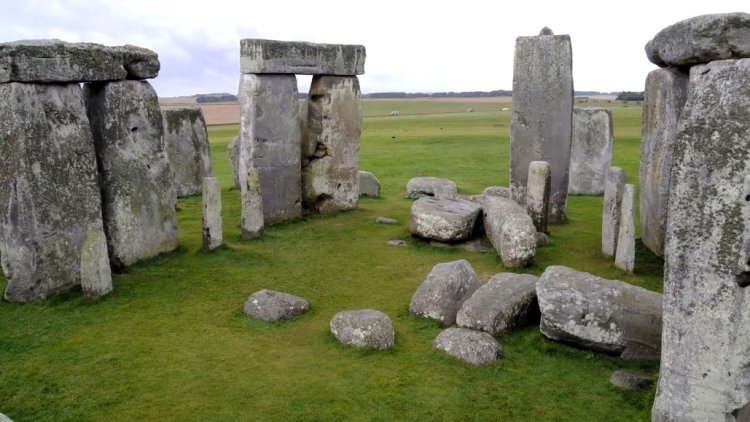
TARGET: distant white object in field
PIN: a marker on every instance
(471, 110)
(504, 109)
(395, 113)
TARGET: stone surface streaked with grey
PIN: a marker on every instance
(213, 234)
(590, 151)
(364, 328)
(301, 58)
(469, 346)
(538, 187)
(369, 185)
(186, 143)
(418, 187)
(625, 252)
(446, 220)
(252, 219)
(233, 151)
(630, 380)
(510, 230)
(445, 289)
(613, 189)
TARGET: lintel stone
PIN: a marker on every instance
(301, 58)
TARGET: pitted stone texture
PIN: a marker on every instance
(630, 380)
(705, 357)
(510, 230)
(603, 315)
(270, 142)
(431, 186)
(213, 234)
(541, 123)
(664, 99)
(611, 211)
(468, 346)
(301, 58)
(138, 198)
(701, 39)
(51, 233)
(537, 194)
(233, 151)
(270, 305)
(252, 220)
(444, 290)
(365, 328)
(369, 185)
(501, 191)
(625, 252)
(56, 61)
(330, 175)
(506, 302)
(186, 142)
(446, 220)
(590, 151)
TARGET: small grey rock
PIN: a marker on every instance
(270, 305)
(369, 185)
(396, 242)
(431, 186)
(444, 290)
(630, 380)
(468, 346)
(541, 239)
(365, 328)
(385, 220)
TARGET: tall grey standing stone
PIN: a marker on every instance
(510, 230)
(270, 142)
(51, 233)
(541, 123)
(664, 99)
(138, 197)
(705, 359)
(537, 194)
(233, 151)
(213, 235)
(590, 151)
(611, 211)
(301, 58)
(186, 142)
(253, 221)
(625, 252)
(330, 174)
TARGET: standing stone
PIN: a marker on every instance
(301, 58)
(233, 151)
(330, 178)
(270, 142)
(611, 212)
(369, 185)
(705, 359)
(541, 125)
(252, 207)
(510, 230)
(51, 233)
(186, 142)
(590, 151)
(138, 198)
(537, 194)
(213, 236)
(625, 252)
(664, 98)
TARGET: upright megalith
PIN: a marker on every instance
(252, 222)
(625, 251)
(213, 234)
(330, 165)
(590, 150)
(664, 99)
(138, 197)
(541, 123)
(537, 194)
(613, 189)
(186, 142)
(51, 233)
(233, 151)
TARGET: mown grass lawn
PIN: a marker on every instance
(171, 342)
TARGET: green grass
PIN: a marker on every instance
(171, 342)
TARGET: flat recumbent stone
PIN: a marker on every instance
(446, 220)
(270, 305)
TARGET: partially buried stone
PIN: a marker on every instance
(446, 220)
(396, 242)
(213, 236)
(186, 142)
(385, 220)
(468, 346)
(270, 305)
(445, 289)
(364, 328)
(630, 380)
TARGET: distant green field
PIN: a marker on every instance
(171, 342)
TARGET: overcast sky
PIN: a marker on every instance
(414, 46)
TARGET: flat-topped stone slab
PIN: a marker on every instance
(56, 61)
(301, 58)
(418, 187)
(446, 220)
(364, 328)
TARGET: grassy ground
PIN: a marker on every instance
(171, 342)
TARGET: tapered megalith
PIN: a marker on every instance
(270, 142)
(590, 151)
(664, 99)
(541, 123)
(138, 198)
(213, 234)
(252, 222)
(301, 58)
(51, 233)
(330, 169)
(613, 189)
(625, 252)
(537, 194)
(233, 151)
(186, 142)
(705, 360)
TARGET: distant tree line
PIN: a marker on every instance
(215, 98)
(463, 94)
(630, 96)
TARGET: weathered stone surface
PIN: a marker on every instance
(444, 290)
(138, 198)
(701, 39)
(705, 358)
(213, 234)
(4, 418)
(594, 313)
(541, 123)
(664, 98)
(431, 186)
(330, 175)
(186, 143)
(270, 142)
(630, 380)
(385, 220)
(252, 219)
(233, 150)
(365, 328)
(541, 239)
(468, 346)
(51, 233)
(446, 220)
(369, 185)
(270, 305)
(301, 58)
(537, 194)
(506, 302)
(625, 252)
(55, 61)
(501, 191)
(510, 230)
(611, 211)
(590, 150)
